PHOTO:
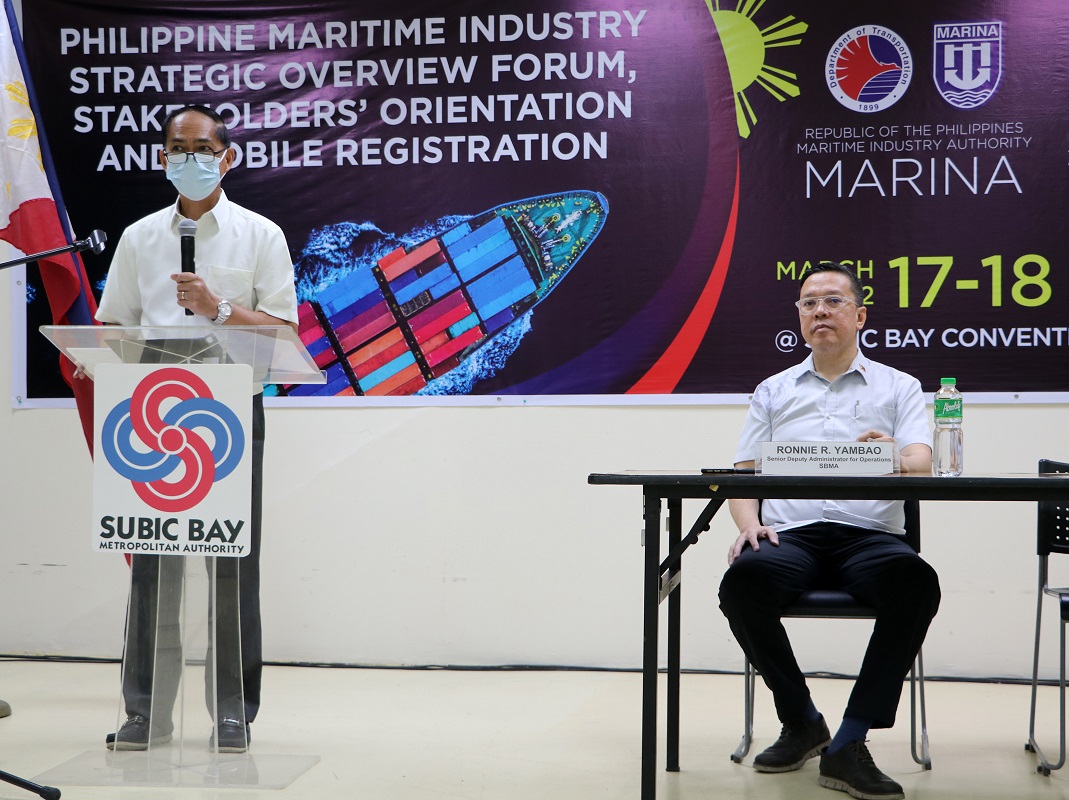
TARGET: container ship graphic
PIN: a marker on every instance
(420, 311)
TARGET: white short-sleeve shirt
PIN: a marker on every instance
(798, 405)
(242, 257)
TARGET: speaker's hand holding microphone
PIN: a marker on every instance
(187, 230)
(193, 293)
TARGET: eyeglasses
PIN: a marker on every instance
(200, 156)
(832, 303)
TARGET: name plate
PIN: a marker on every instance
(826, 458)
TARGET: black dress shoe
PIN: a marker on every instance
(797, 743)
(135, 734)
(234, 737)
(851, 769)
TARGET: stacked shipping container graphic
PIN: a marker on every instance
(418, 312)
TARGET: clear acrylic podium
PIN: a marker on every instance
(274, 352)
(183, 663)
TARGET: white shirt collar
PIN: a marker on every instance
(860, 365)
(216, 218)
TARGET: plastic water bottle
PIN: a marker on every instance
(947, 455)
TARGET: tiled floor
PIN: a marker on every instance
(518, 735)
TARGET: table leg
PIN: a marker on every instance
(675, 534)
(651, 515)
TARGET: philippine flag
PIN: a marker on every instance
(32, 216)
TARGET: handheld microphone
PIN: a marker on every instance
(187, 229)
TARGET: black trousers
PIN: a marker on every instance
(878, 569)
(152, 662)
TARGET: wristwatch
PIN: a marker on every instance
(223, 312)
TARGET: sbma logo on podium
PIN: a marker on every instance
(172, 473)
(161, 452)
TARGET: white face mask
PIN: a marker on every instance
(193, 179)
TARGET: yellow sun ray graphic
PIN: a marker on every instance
(745, 46)
(19, 127)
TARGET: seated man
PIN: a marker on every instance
(789, 546)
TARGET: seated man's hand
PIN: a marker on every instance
(874, 435)
(752, 536)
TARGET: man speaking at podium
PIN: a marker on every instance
(243, 276)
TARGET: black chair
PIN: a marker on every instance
(837, 604)
(1052, 530)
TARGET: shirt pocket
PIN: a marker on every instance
(235, 285)
(881, 418)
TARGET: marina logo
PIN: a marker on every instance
(967, 66)
(869, 68)
(156, 434)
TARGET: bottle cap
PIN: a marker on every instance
(946, 381)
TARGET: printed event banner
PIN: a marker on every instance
(603, 199)
(173, 467)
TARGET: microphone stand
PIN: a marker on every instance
(46, 792)
(94, 241)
